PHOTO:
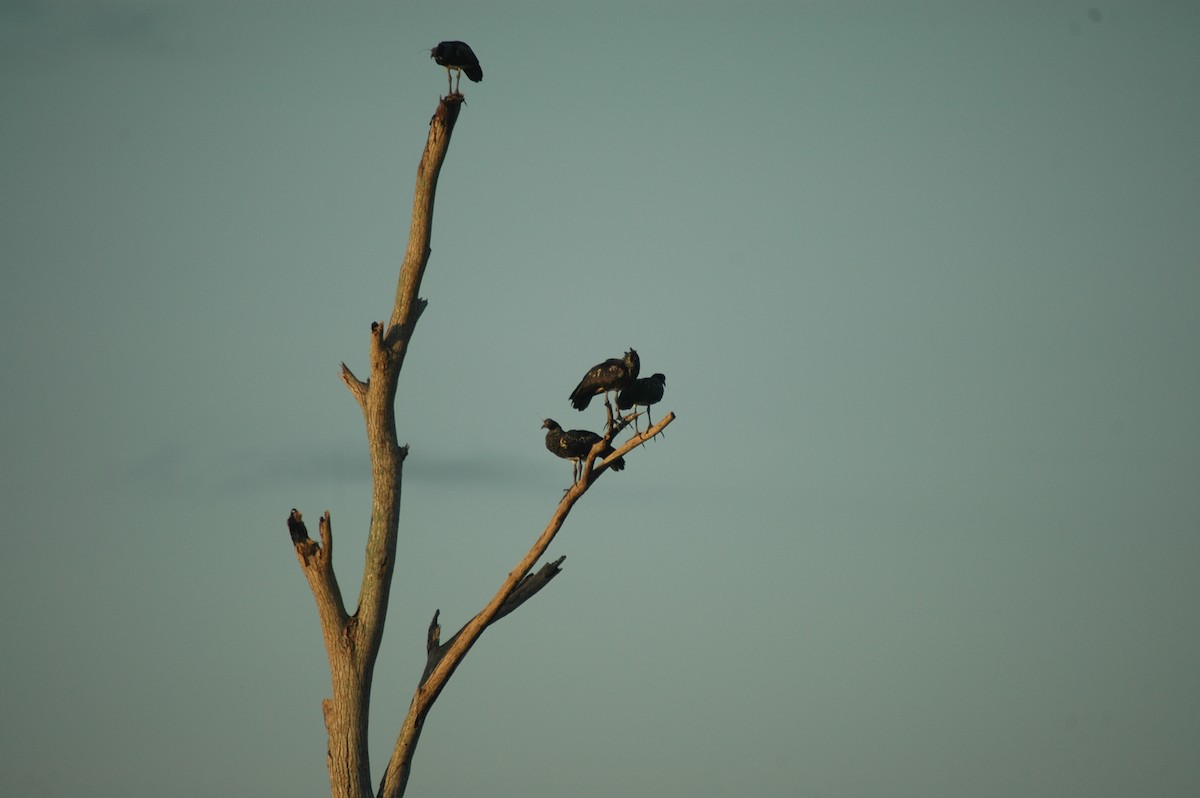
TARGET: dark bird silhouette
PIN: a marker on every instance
(459, 57)
(574, 445)
(296, 527)
(644, 392)
(611, 375)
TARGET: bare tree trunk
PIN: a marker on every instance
(352, 640)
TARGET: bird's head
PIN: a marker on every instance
(659, 378)
(550, 424)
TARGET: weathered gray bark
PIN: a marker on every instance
(352, 640)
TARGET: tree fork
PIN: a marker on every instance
(352, 640)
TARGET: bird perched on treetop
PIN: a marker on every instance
(574, 445)
(296, 527)
(459, 57)
(611, 375)
(644, 392)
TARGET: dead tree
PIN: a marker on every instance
(352, 639)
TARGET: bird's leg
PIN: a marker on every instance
(449, 84)
(637, 431)
(609, 410)
(457, 81)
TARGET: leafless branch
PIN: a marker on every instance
(517, 588)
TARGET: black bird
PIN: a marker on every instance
(574, 445)
(644, 392)
(296, 527)
(460, 57)
(611, 375)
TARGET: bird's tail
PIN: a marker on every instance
(580, 400)
(618, 464)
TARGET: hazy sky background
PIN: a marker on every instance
(924, 278)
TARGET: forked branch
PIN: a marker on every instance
(352, 640)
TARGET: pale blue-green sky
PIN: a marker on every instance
(925, 281)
